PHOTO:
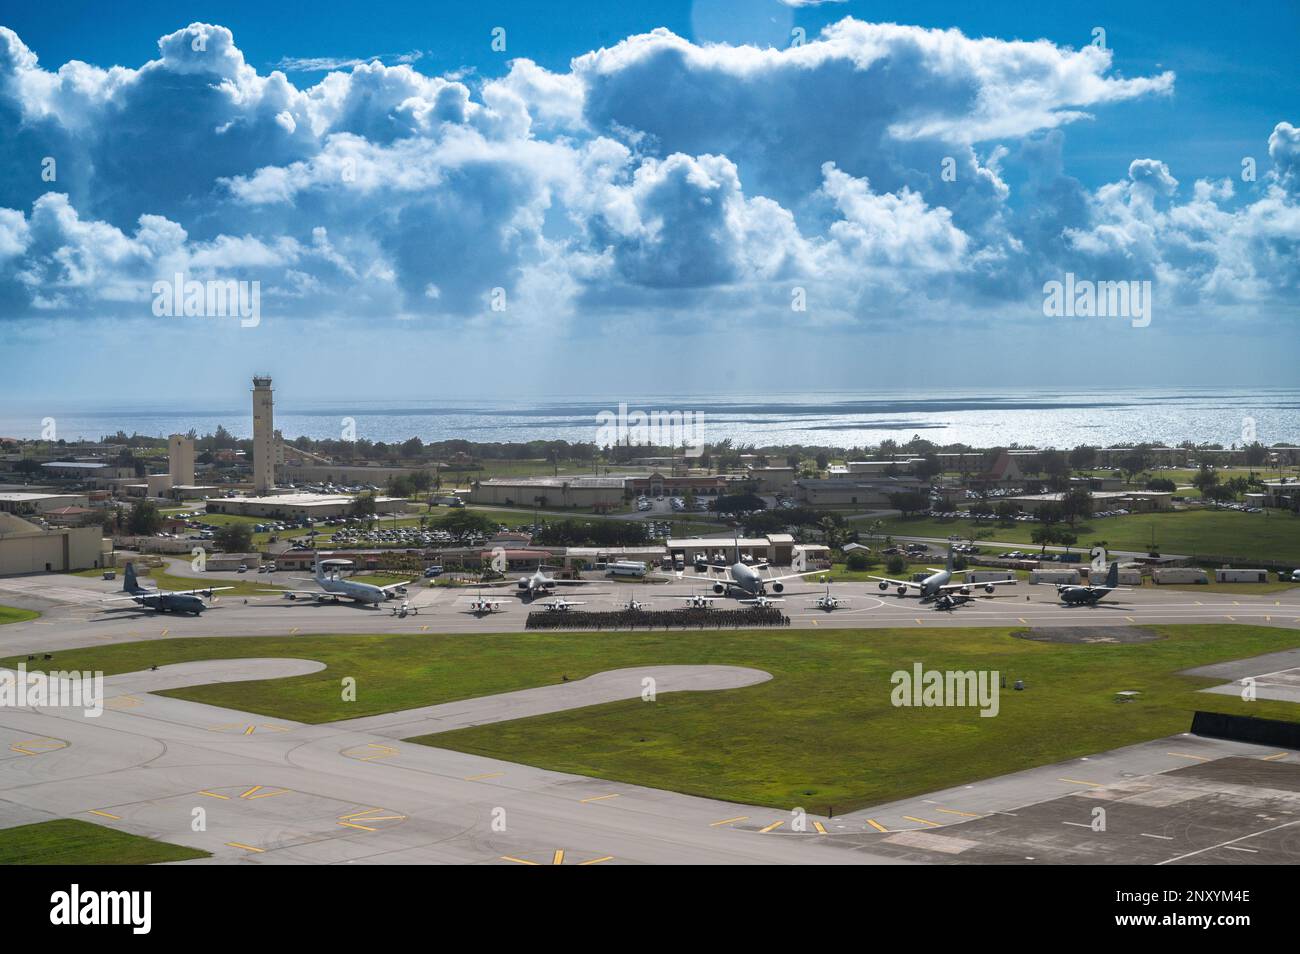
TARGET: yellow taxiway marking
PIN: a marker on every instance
(105, 814)
(728, 821)
(597, 798)
(1130, 619)
(293, 631)
(385, 752)
(1079, 781)
(821, 829)
(258, 789)
(814, 622)
(596, 861)
(165, 632)
(1280, 755)
(350, 825)
(215, 795)
(772, 827)
(479, 778)
(918, 621)
(1023, 621)
(518, 861)
(876, 825)
(1184, 755)
(250, 729)
(559, 857)
(275, 728)
(235, 844)
(923, 821)
(42, 746)
(122, 702)
(953, 811)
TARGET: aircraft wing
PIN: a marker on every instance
(393, 586)
(136, 596)
(958, 586)
(792, 576)
(885, 579)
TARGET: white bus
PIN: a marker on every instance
(626, 568)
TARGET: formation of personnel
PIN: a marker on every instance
(686, 618)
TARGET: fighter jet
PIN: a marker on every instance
(746, 578)
(480, 605)
(560, 605)
(697, 601)
(828, 602)
(1073, 595)
(937, 583)
(164, 601)
(333, 586)
(636, 605)
(761, 601)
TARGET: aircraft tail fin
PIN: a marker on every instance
(1112, 576)
(948, 565)
(129, 583)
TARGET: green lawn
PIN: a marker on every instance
(70, 841)
(11, 614)
(1244, 536)
(821, 733)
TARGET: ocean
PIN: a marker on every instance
(983, 418)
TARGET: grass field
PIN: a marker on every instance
(10, 614)
(821, 733)
(69, 841)
(1261, 536)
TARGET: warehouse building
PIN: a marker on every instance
(35, 502)
(27, 548)
(299, 506)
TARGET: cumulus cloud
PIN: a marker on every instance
(653, 178)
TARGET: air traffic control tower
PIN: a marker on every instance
(263, 437)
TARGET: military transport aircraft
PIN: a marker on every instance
(333, 586)
(937, 583)
(164, 601)
(1073, 595)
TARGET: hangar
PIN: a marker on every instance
(27, 548)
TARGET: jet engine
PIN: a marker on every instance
(884, 586)
(989, 588)
(719, 589)
(902, 591)
(778, 587)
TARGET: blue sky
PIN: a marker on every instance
(648, 212)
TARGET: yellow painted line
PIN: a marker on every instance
(772, 827)
(821, 830)
(368, 811)
(293, 631)
(250, 730)
(1184, 755)
(1130, 619)
(166, 631)
(215, 795)
(918, 621)
(280, 791)
(479, 778)
(814, 622)
(1078, 781)
(923, 821)
(728, 821)
(598, 798)
(105, 814)
(953, 811)
(1280, 755)
(518, 861)
(275, 728)
(1023, 621)
(876, 825)
(596, 861)
(350, 825)
(251, 791)
(373, 818)
(235, 844)
(559, 857)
